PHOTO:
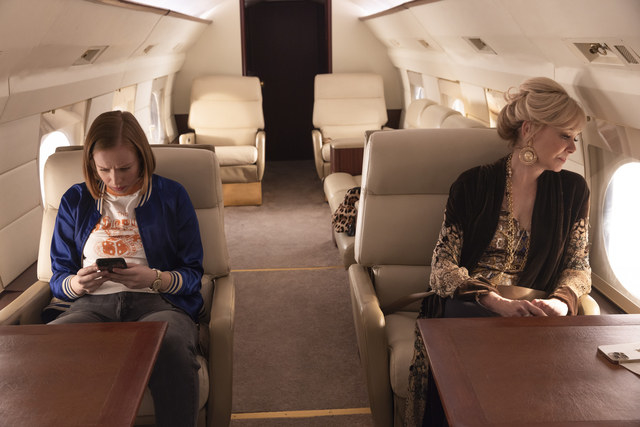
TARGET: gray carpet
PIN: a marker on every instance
(295, 344)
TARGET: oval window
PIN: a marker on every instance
(621, 226)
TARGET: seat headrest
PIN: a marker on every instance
(348, 85)
(426, 161)
(434, 115)
(414, 110)
(459, 121)
(226, 88)
(226, 102)
(352, 101)
(195, 167)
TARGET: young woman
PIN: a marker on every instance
(124, 210)
(516, 227)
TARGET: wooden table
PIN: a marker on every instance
(533, 371)
(76, 374)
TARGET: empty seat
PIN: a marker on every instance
(345, 106)
(414, 111)
(226, 112)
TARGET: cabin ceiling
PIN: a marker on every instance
(41, 43)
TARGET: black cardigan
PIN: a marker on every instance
(474, 203)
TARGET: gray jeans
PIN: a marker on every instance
(174, 379)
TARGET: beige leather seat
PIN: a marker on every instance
(226, 112)
(345, 106)
(426, 114)
(405, 184)
(197, 169)
(421, 113)
(414, 111)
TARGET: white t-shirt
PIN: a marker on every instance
(116, 235)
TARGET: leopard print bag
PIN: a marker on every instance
(344, 218)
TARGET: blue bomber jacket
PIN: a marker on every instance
(168, 229)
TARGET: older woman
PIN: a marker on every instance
(124, 210)
(515, 227)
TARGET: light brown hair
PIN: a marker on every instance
(543, 102)
(109, 130)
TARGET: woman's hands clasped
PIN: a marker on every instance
(89, 279)
(521, 308)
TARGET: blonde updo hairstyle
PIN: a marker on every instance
(542, 102)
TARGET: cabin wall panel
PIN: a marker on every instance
(42, 97)
(19, 242)
(20, 185)
(142, 107)
(475, 102)
(97, 106)
(356, 49)
(218, 50)
(19, 142)
(4, 91)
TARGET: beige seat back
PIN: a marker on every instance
(226, 110)
(433, 116)
(348, 104)
(405, 184)
(414, 111)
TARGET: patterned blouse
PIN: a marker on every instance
(447, 277)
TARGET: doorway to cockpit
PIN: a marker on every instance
(285, 44)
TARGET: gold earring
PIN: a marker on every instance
(528, 155)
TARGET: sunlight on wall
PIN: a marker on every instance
(48, 146)
(621, 226)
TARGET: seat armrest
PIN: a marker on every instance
(260, 145)
(27, 308)
(372, 343)
(588, 306)
(187, 138)
(316, 139)
(221, 328)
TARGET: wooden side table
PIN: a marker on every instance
(347, 159)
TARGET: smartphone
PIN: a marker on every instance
(110, 263)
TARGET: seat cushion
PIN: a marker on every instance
(237, 155)
(401, 338)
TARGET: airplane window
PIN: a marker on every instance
(156, 130)
(48, 146)
(417, 92)
(458, 105)
(415, 85)
(495, 103)
(621, 228)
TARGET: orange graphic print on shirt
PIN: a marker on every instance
(120, 237)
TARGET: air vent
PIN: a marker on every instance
(90, 55)
(626, 54)
(480, 45)
(608, 51)
(394, 42)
